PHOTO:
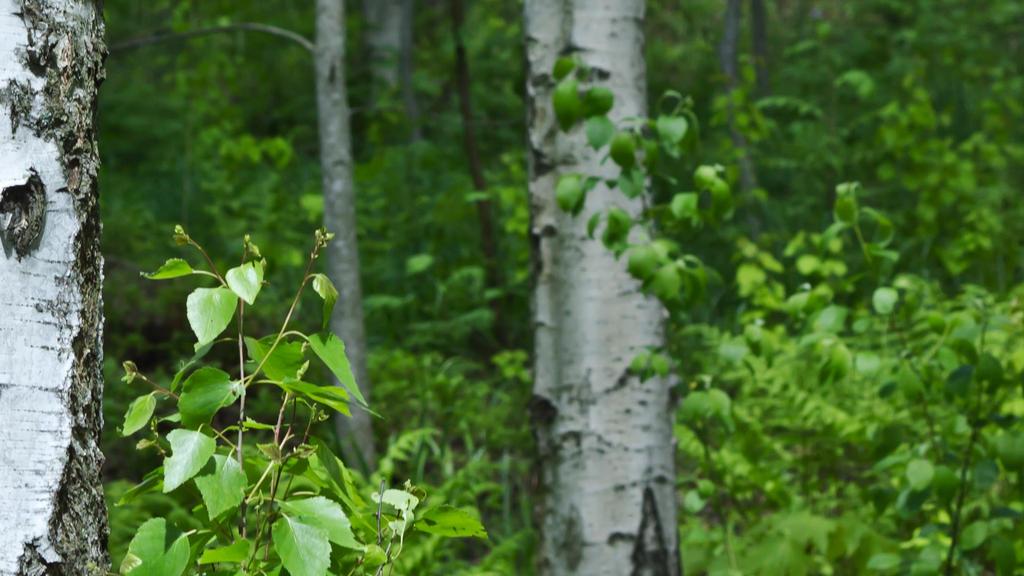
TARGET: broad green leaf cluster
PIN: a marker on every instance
(267, 496)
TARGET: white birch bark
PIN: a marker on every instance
(340, 216)
(52, 515)
(605, 438)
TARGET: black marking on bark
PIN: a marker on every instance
(572, 539)
(542, 411)
(24, 206)
(651, 556)
(17, 96)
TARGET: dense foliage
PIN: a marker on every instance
(846, 331)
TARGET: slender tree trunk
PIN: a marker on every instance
(384, 38)
(728, 59)
(759, 40)
(52, 515)
(604, 437)
(405, 70)
(484, 208)
(355, 433)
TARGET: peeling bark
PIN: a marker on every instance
(52, 514)
(604, 437)
(355, 433)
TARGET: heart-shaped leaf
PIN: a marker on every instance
(246, 280)
(209, 312)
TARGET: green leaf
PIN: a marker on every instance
(623, 150)
(224, 487)
(959, 381)
(684, 206)
(845, 208)
(173, 268)
(325, 514)
(598, 101)
(286, 361)
(884, 300)
(883, 563)
(331, 350)
(1003, 554)
(617, 227)
(138, 415)
(156, 551)
(974, 535)
(450, 522)
(246, 280)
(303, 548)
(567, 103)
(643, 261)
(190, 451)
(569, 193)
(599, 131)
(236, 553)
(418, 264)
(210, 311)
(667, 282)
(693, 503)
(631, 183)
(374, 556)
(331, 396)
(563, 67)
(323, 286)
(671, 131)
(920, 473)
(1010, 448)
(338, 476)
(205, 392)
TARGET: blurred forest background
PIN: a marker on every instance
(816, 465)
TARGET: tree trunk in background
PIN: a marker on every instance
(759, 40)
(484, 208)
(52, 514)
(728, 58)
(355, 433)
(604, 437)
(405, 70)
(384, 28)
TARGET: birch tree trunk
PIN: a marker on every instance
(604, 437)
(52, 515)
(384, 37)
(355, 433)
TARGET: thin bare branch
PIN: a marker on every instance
(143, 41)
